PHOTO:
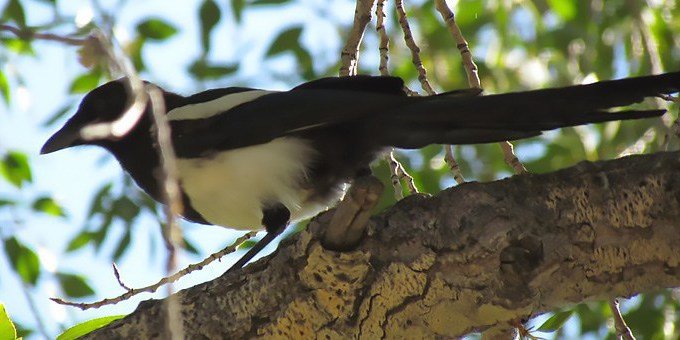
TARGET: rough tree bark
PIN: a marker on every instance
(465, 259)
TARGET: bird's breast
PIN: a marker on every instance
(230, 188)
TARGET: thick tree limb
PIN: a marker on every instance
(474, 256)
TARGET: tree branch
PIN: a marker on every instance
(469, 258)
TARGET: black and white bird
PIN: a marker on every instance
(249, 158)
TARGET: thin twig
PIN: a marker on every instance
(511, 159)
(384, 46)
(453, 164)
(470, 67)
(168, 279)
(349, 57)
(622, 330)
(472, 73)
(396, 168)
(173, 206)
(116, 273)
(394, 176)
(415, 50)
(29, 34)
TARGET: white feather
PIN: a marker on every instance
(215, 106)
(230, 188)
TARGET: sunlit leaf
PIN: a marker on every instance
(4, 202)
(190, 247)
(48, 206)
(14, 168)
(123, 245)
(22, 332)
(14, 11)
(286, 41)
(85, 82)
(74, 286)
(210, 15)
(125, 208)
(247, 244)
(156, 29)
(7, 329)
(86, 327)
(24, 260)
(58, 115)
(237, 9)
(202, 70)
(4, 87)
(79, 241)
(18, 46)
(556, 321)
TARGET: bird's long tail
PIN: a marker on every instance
(455, 119)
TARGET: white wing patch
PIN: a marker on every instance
(215, 106)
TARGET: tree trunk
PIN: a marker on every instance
(468, 258)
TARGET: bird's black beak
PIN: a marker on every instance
(67, 136)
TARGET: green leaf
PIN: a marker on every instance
(237, 9)
(24, 260)
(202, 70)
(190, 247)
(18, 46)
(7, 329)
(86, 327)
(48, 206)
(15, 168)
(566, 10)
(556, 321)
(210, 15)
(156, 29)
(4, 202)
(122, 245)
(74, 285)
(288, 40)
(22, 332)
(4, 87)
(79, 241)
(58, 115)
(247, 244)
(85, 82)
(14, 11)
(126, 209)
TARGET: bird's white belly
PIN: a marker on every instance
(230, 188)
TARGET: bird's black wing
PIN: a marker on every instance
(311, 105)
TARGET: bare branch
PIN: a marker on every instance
(622, 330)
(415, 50)
(116, 273)
(168, 279)
(29, 34)
(473, 81)
(511, 159)
(461, 43)
(451, 161)
(349, 57)
(382, 36)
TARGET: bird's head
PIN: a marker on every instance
(103, 104)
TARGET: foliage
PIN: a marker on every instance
(517, 45)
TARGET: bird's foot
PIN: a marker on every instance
(349, 221)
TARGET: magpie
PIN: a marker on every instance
(251, 158)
